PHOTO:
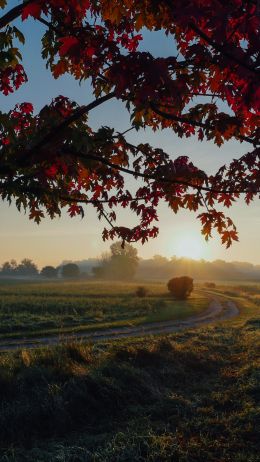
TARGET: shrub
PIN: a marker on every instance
(141, 291)
(180, 287)
(210, 285)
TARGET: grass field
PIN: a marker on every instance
(48, 308)
(186, 397)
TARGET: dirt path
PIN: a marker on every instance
(216, 311)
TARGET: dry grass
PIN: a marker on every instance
(55, 308)
(187, 397)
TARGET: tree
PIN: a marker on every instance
(27, 268)
(54, 159)
(126, 251)
(49, 272)
(180, 287)
(210, 285)
(70, 270)
(121, 264)
(9, 268)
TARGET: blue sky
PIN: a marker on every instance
(74, 239)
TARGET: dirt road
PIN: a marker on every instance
(216, 311)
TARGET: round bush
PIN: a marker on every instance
(180, 287)
(141, 291)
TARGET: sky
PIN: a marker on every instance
(75, 239)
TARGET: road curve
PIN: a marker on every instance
(216, 311)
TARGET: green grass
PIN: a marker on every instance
(187, 397)
(54, 308)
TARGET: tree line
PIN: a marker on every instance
(119, 263)
(27, 268)
(123, 263)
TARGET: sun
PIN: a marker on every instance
(189, 246)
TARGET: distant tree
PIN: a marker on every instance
(70, 270)
(49, 272)
(180, 287)
(27, 268)
(117, 250)
(9, 268)
(210, 285)
(121, 264)
(6, 268)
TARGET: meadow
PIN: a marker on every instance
(32, 308)
(185, 397)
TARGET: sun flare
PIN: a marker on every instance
(189, 246)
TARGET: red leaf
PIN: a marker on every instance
(74, 210)
(34, 10)
(52, 171)
(90, 52)
(201, 135)
(36, 215)
(67, 44)
(27, 108)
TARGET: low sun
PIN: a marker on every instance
(189, 246)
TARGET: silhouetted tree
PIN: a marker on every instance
(27, 268)
(9, 268)
(180, 287)
(49, 272)
(70, 270)
(121, 264)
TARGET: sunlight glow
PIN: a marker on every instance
(189, 246)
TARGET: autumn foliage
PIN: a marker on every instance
(208, 89)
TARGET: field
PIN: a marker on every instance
(186, 397)
(47, 308)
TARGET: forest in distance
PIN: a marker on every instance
(155, 268)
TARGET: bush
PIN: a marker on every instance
(141, 291)
(210, 285)
(180, 287)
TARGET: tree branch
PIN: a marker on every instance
(13, 13)
(75, 116)
(63, 125)
(192, 122)
(100, 201)
(49, 25)
(222, 49)
(159, 179)
(37, 189)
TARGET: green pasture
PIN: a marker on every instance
(49, 308)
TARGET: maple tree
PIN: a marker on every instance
(54, 159)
